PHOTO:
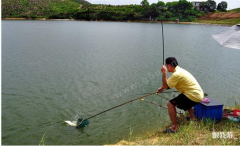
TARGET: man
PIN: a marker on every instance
(190, 91)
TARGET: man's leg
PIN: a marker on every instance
(172, 114)
(191, 115)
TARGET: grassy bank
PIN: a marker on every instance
(221, 18)
(34, 9)
(193, 133)
(229, 22)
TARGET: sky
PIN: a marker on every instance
(232, 4)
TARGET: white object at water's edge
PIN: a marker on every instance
(71, 123)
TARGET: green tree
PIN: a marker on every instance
(184, 5)
(168, 14)
(222, 6)
(146, 9)
(154, 10)
(160, 3)
(145, 3)
(172, 6)
(212, 5)
(209, 6)
(203, 6)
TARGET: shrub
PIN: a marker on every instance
(198, 15)
(168, 14)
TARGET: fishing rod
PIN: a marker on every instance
(83, 122)
(161, 9)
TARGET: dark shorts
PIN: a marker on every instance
(182, 102)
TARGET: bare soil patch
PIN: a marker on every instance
(221, 16)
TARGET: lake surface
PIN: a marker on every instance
(54, 71)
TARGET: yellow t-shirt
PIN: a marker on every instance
(185, 83)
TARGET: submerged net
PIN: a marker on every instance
(82, 123)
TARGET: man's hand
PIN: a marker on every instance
(160, 89)
(164, 69)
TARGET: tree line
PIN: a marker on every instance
(82, 10)
(170, 11)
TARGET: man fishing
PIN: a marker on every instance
(190, 91)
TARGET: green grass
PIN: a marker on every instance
(42, 142)
(235, 10)
(40, 8)
(232, 21)
(193, 133)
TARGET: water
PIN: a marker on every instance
(54, 71)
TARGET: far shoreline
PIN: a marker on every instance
(137, 21)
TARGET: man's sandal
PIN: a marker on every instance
(169, 130)
(189, 119)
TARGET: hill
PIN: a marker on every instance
(235, 10)
(223, 18)
(40, 8)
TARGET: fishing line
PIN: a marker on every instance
(158, 105)
(163, 97)
(162, 92)
(154, 103)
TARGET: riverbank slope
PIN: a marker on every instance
(193, 133)
(220, 18)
